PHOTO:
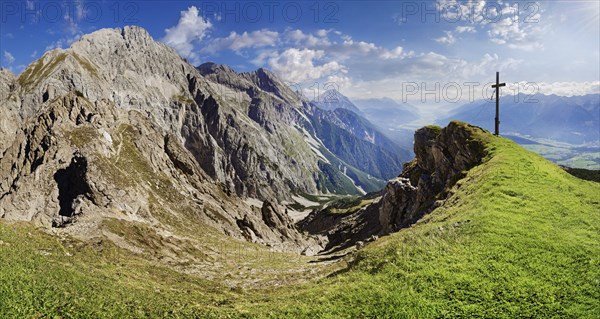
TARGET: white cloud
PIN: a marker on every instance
(476, 12)
(34, 54)
(448, 39)
(468, 29)
(563, 88)
(393, 54)
(80, 12)
(31, 6)
(237, 42)
(74, 12)
(298, 37)
(192, 27)
(502, 20)
(8, 58)
(487, 65)
(516, 35)
(63, 42)
(339, 46)
(324, 55)
(322, 32)
(297, 65)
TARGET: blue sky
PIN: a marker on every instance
(397, 49)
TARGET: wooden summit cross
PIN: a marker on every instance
(497, 87)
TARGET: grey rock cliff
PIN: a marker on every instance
(120, 126)
(442, 158)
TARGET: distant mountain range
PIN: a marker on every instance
(332, 99)
(573, 120)
(391, 117)
(387, 115)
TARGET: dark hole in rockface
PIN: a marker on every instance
(71, 183)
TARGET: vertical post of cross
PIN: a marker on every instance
(497, 87)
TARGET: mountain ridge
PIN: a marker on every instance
(146, 137)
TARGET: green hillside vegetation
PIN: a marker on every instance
(518, 238)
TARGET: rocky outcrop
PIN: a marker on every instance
(181, 159)
(9, 106)
(443, 156)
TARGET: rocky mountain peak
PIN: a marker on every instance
(146, 134)
(271, 83)
(209, 68)
(134, 37)
(332, 99)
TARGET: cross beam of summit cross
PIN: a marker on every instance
(497, 87)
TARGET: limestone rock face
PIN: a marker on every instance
(399, 199)
(442, 158)
(9, 118)
(119, 126)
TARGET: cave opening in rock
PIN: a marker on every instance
(71, 184)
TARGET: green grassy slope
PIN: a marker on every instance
(518, 238)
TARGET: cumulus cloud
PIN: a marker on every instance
(564, 88)
(397, 52)
(501, 20)
(298, 37)
(8, 58)
(323, 55)
(339, 46)
(448, 39)
(299, 65)
(237, 42)
(190, 29)
(463, 29)
(62, 42)
(516, 34)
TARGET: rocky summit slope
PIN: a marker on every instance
(120, 126)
